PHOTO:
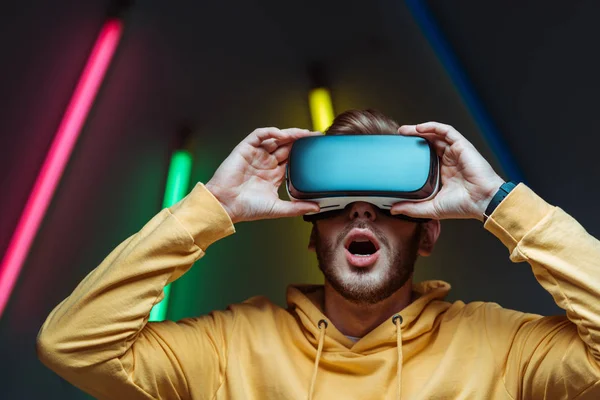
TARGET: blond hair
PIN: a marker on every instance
(362, 122)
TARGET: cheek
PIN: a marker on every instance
(400, 236)
(328, 231)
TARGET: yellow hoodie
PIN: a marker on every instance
(99, 337)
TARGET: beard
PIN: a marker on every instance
(366, 286)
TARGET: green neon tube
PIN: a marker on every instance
(178, 181)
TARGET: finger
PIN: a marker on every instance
(282, 152)
(423, 209)
(447, 132)
(408, 130)
(279, 174)
(262, 134)
(294, 208)
(270, 145)
(282, 136)
(411, 130)
(432, 131)
(292, 134)
(439, 145)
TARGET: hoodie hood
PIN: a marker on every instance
(418, 318)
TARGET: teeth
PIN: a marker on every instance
(361, 240)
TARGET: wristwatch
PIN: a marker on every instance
(500, 195)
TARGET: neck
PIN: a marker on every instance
(359, 319)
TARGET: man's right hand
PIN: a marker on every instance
(247, 182)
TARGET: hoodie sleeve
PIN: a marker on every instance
(548, 357)
(99, 338)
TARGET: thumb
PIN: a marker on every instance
(423, 209)
(294, 208)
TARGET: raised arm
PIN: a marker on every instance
(549, 357)
(99, 339)
(538, 357)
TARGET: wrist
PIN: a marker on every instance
(489, 194)
(217, 192)
(498, 198)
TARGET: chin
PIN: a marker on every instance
(367, 284)
(363, 271)
(369, 278)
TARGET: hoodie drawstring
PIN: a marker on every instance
(397, 320)
(319, 351)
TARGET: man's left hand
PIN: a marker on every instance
(468, 180)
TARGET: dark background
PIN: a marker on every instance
(226, 68)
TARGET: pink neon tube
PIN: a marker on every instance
(58, 155)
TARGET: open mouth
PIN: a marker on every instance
(361, 248)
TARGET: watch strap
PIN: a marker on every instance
(500, 195)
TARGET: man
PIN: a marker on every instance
(368, 332)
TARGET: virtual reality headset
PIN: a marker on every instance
(337, 170)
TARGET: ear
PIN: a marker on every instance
(311, 240)
(429, 236)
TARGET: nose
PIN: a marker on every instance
(361, 209)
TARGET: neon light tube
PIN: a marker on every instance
(321, 109)
(57, 157)
(178, 181)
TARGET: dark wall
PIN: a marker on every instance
(535, 70)
(226, 68)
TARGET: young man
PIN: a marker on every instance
(368, 332)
